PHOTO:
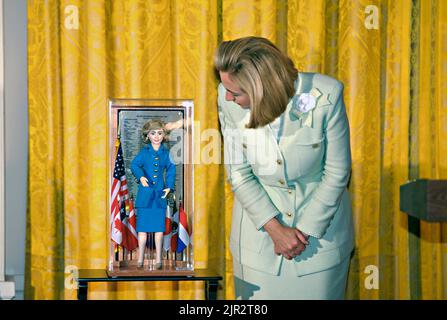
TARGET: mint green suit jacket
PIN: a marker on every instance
(300, 179)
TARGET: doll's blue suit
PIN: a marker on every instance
(151, 207)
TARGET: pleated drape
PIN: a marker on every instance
(83, 52)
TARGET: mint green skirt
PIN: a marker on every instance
(329, 284)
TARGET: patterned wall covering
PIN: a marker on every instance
(394, 70)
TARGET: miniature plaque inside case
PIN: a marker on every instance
(151, 181)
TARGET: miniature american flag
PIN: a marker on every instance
(119, 194)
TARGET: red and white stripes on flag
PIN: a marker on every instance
(167, 234)
(130, 236)
(174, 231)
(119, 194)
(183, 233)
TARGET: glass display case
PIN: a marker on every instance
(151, 187)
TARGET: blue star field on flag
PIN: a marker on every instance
(119, 164)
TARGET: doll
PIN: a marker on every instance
(150, 166)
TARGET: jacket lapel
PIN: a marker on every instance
(293, 119)
(291, 122)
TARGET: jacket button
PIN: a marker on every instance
(155, 170)
(281, 182)
(153, 182)
(279, 161)
(289, 191)
(156, 158)
(156, 164)
(154, 176)
(244, 145)
(289, 214)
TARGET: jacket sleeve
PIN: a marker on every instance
(136, 166)
(245, 186)
(315, 217)
(170, 172)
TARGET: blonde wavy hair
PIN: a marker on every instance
(154, 124)
(262, 71)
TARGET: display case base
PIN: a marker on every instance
(169, 268)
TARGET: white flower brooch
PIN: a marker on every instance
(304, 105)
(306, 102)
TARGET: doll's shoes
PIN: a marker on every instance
(158, 266)
(140, 265)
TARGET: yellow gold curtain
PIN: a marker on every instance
(391, 56)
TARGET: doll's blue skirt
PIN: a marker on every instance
(151, 219)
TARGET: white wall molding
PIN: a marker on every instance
(7, 289)
(2, 152)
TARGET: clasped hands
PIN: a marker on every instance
(289, 242)
(145, 183)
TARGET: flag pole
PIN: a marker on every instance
(115, 247)
(189, 251)
(117, 143)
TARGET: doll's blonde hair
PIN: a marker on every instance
(262, 71)
(154, 124)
